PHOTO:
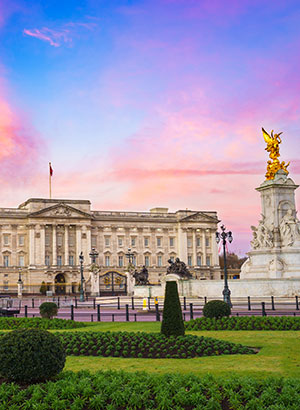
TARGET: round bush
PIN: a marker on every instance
(216, 309)
(30, 355)
(48, 310)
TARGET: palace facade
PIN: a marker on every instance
(42, 239)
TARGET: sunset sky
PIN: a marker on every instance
(145, 103)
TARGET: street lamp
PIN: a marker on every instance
(222, 236)
(130, 256)
(93, 255)
(20, 284)
(81, 277)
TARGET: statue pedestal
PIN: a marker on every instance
(275, 252)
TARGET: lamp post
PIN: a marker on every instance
(93, 255)
(223, 236)
(20, 284)
(81, 277)
(130, 256)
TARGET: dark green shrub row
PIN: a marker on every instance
(146, 345)
(38, 323)
(119, 390)
(30, 355)
(245, 323)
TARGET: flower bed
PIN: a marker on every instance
(120, 390)
(146, 345)
(245, 323)
(10, 323)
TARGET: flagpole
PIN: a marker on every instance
(50, 180)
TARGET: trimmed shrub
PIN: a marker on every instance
(216, 309)
(172, 323)
(48, 310)
(43, 288)
(31, 355)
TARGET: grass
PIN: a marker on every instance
(279, 354)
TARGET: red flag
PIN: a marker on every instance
(50, 169)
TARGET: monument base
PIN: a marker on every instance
(213, 289)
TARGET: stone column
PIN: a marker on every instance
(43, 241)
(31, 245)
(214, 248)
(54, 253)
(194, 249)
(66, 245)
(78, 244)
(203, 248)
(182, 244)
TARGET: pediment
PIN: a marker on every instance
(199, 217)
(60, 211)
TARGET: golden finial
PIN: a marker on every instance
(273, 142)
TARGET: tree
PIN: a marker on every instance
(172, 323)
(233, 261)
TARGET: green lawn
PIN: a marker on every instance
(279, 354)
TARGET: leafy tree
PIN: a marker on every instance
(172, 323)
(233, 261)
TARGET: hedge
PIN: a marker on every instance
(12, 323)
(119, 390)
(146, 345)
(245, 323)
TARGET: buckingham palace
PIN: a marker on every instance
(42, 239)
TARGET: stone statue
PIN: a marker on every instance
(179, 268)
(94, 278)
(273, 142)
(263, 235)
(141, 278)
(289, 228)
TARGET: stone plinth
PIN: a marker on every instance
(275, 248)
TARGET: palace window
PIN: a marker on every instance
(6, 260)
(146, 241)
(207, 241)
(47, 260)
(198, 242)
(59, 260)
(107, 241)
(121, 261)
(21, 260)
(71, 260)
(198, 260)
(134, 260)
(189, 260)
(21, 240)
(133, 241)
(159, 260)
(189, 242)
(158, 241)
(6, 239)
(147, 262)
(171, 242)
(120, 242)
(94, 241)
(47, 239)
(107, 260)
(59, 240)
(72, 240)
(208, 260)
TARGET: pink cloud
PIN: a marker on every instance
(63, 35)
(20, 146)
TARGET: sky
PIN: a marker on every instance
(148, 103)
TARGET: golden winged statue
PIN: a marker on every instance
(273, 166)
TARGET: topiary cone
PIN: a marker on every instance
(172, 323)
